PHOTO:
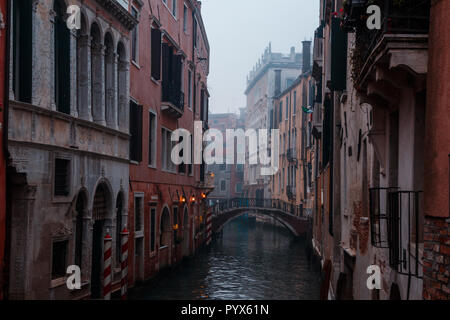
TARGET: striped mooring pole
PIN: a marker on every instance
(124, 264)
(107, 267)
(208, 226)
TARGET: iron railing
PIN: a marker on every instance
(396, 224)
(406, 17)
(173, 95)
(258, 203)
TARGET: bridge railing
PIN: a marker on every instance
(238, 203)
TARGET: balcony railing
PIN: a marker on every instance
(173, 99)
(396, 224)
(405, 17)
(291, 155)
(236, 203)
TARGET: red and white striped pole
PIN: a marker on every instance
(107, 267)
(124, 264)
(208, 226)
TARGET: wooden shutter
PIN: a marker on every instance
(166, 68)
(338, 56)
(156, 54)
(176, 80)
(135, 132)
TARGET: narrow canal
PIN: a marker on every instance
(251, 260)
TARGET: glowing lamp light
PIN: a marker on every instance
(175, 227)
(201, 218)
(182, 199)
(212, 175)
(193, 199)
(203, 195)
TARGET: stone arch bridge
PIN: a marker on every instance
(288, 214)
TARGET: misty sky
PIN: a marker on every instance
(239, 31)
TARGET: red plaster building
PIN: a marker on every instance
(3, 15)
(168, 77)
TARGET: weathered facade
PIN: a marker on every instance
(68, 143)
(273, 73)
(169, 69)
(370, 119)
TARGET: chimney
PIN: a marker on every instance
(277, 82)
(306, 56)
(292, 53)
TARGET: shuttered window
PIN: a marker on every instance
(156, 54)
(135, 132)
(62, 177)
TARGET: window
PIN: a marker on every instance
(22, 50)
(174, 8)
(62, 177)
(166, 150)
(190, 166)
(182, 166)
(185, 18)
(238, 187)
(59, 259)
(135, 132)
(195, 33)
(287, 108)
(175, 223)
(281, 111)
(240, 168)
(223, 185)
(61, 59)
(156, 54)
(134, 37)
(138, 216)
(190, 93)
(152, 228)
(223, 166)
(295, 102)
(152, 139)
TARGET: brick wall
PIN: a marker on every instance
(436, 262)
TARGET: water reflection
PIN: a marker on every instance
(252, 260)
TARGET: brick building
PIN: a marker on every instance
(228, 178)
(3, 111)
(169, 68)
(68, 171)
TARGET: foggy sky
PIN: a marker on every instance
(239, 31)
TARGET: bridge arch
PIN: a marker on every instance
(289, 215)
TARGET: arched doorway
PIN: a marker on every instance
(165, 236)
(100, 214)
(185, 232)
(395, 292)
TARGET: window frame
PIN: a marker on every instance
(154, 147)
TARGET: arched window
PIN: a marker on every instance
(165, 229)
(61, 58)
(122, 103)
(83, 71)
(21, 50)
(109, 82)
(98, 113)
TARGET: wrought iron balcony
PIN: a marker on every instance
(172, 100)
(396, 224)
(405, 18)
(291, 155)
